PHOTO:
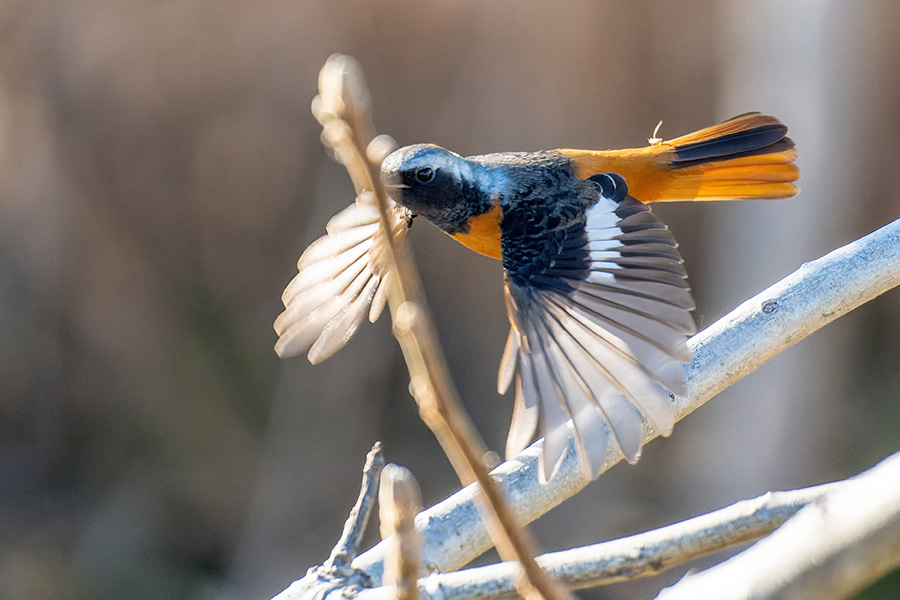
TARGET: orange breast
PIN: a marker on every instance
(484, 233)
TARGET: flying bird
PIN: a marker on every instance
(596, 290)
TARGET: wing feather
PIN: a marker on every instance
(339, 244)
(554, 410)
(677, 296)
(341, 280)
(590, 426)
(656, 362)
(591, 355)
(379, 301)
(599, 337)
(508, 361)
(319, 283)
(650, 307)
(300, 325)
(343, 325)
(525, 412)
(630, 377)
(588, 392)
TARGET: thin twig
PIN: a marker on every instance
(829, 551)
(753, 333)
(343, 109)
(348, 546)
(336, 573)
(640, 555)
(399, 500)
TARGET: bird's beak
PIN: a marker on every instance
(392, 182)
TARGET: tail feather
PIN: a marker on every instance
(740, 133)
(746, 157)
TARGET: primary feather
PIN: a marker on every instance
(341, 280)
(600, 354)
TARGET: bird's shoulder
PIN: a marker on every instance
(544, 210)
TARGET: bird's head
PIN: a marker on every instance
(440, 185)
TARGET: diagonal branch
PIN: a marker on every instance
(829, 551)
(640, 555)
(757, 330)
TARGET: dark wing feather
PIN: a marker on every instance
(599, 332)
(341, 281)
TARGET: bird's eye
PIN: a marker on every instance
(424, 175)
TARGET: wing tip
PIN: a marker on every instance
(287, 347)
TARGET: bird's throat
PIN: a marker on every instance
(483, 235)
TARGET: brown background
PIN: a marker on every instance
(160, 173)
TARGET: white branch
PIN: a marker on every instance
(828, 551)
(816, 294)
(355, 526)
(639, 555)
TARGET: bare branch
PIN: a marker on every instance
(830, 550)
(757, 330)
(399, 500)
(345, 550)
(641, 555)
(336, 573)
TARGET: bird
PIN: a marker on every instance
(595, 288)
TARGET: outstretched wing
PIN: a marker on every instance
(599, 330)
(341, 280)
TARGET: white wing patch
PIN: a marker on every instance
(602, 351)
(341, 280)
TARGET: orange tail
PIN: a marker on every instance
(746, 157)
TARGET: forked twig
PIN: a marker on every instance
(343, 109)
(336, 573)
(347, 547)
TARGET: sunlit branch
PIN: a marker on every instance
(640, 555)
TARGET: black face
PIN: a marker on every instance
(441, 186)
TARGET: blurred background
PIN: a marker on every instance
(160, 173)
